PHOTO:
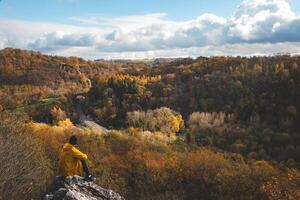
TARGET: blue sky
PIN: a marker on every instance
(61, 10)
(151, 28)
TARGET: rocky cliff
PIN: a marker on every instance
(76, 188)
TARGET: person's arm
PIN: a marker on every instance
(78, 154)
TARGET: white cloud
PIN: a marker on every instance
(131, 22)
(219, 50)
(257, 27)
(262, 21)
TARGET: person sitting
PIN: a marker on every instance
(72, 161)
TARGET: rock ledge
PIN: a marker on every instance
(76, 188)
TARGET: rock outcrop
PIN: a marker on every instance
(76, 188)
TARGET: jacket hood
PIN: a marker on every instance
(67, 146)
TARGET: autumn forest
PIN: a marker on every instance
(209, 128)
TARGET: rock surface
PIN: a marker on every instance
(76, 188)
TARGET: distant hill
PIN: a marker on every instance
(148, 62)
(27, 76)
(28, 67)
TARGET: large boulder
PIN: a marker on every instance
(77, 188)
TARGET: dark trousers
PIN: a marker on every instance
(86, 168)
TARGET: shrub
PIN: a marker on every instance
(162, 119)
(25, 169)
(199, 120)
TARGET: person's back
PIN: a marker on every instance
(72, 161)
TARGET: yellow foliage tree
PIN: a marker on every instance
(65, 123)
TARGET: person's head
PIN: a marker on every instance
(73, 140)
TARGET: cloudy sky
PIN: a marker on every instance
(151, 28)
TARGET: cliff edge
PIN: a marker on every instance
(76, 188)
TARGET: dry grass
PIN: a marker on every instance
(25, 170)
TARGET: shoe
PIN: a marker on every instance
(90, 178)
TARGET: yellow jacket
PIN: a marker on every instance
(70, 161)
